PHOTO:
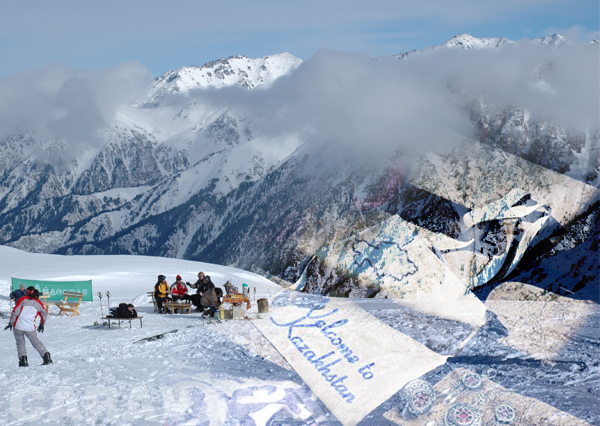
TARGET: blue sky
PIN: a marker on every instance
(164, 35)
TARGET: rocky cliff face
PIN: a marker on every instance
(513, 130)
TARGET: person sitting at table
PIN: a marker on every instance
(18, 293)
(202, 285)
(179, 290)
(211, 301)
(161, 292)
(206, 286)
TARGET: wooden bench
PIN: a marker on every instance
(70, 303)
(44, 298)
(181, 306)
(151, 296)
(109, 319)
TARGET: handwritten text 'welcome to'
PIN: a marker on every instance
(325, 363)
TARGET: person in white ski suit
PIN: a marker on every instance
(22, 322)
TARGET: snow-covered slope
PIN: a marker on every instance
(538, 357)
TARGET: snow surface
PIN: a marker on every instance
(99, 373)
(227, 373)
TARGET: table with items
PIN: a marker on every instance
(237, 299)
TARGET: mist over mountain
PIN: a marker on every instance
(278, 165)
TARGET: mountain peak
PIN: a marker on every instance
(554, 40)
(467, 41)
(233, 71)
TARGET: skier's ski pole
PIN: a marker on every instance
(108, 297)
(100, 296)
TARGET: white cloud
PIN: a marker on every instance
(57, 102)
(338, 101)
(369, 107)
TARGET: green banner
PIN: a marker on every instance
(56, 288)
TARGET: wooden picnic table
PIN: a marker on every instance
(70, 303)
(174, 306)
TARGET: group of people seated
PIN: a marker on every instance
(206, 299)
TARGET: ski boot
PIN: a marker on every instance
(47, 359)
(23, 361)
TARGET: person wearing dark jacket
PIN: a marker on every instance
(18, 293)
(206, 286)
(202, 286)
(198, 283)
(126, 311)
(22, 322)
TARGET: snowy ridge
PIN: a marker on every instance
(234, 71)
(467, 42)
(554, 40)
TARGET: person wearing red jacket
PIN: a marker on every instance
(179, 290)
(22, 322)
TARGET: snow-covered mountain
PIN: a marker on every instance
(467, 41)
(234, 71)
(178, 174)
